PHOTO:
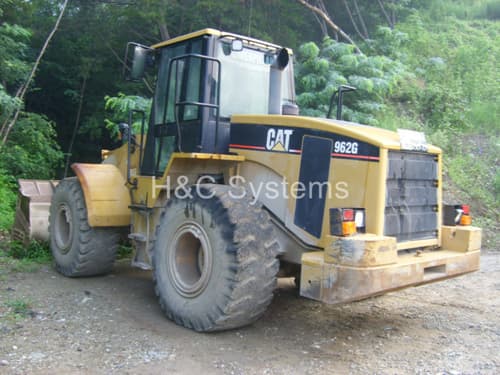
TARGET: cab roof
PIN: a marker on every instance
(217, 33)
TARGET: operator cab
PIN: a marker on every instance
(203, 79)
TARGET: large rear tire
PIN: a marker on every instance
(78, 249)
(214, 259)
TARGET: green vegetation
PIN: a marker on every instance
(15, 310)
(31, 150)
(119, 107)
(125, 251)
(7, 201)
(375, 77)
(19, 308)
(37, 252)
(17, 257)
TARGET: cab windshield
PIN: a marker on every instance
(245, 78)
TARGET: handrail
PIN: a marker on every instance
(177, 104)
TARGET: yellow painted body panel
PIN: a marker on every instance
(364, 180)
(152, 192)
(462, 238)
(190, 165)
(106, 194)
(363, 250)
(376, 136)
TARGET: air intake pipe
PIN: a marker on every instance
(275, 95)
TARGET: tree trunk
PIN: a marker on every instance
(165, 35)
(330, 23)
(361, 19)
(393, 13)
(386, 15)
(353, 21)
(22, 92)
(77, 124)
(322, 25)
(321, 21)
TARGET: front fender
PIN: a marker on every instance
(106, 195)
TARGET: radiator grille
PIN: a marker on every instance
(411, 196)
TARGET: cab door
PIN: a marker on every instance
(175, 125)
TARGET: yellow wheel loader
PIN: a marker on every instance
(225, 187)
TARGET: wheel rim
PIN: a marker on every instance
(63, 228)
(190, 259)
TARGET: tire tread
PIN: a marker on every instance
(96, 247)
(248, 231)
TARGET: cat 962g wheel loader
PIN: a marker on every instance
(225, 187)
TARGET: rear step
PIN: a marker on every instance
(434, 272)
(357, 267)
(334, 283)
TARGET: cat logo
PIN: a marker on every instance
(278, 139)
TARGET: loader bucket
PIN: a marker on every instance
(32, 210)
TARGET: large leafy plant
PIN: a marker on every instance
(119, 107)
(322, 69)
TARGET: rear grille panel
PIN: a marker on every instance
(411, 196)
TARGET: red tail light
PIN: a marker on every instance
(457, 214)
(347, 221)
(347, 214)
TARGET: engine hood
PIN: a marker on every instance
(379, 137)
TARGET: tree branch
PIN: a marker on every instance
(330, 23)
(26, 85)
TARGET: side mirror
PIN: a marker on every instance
(137, 58)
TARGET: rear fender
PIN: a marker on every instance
(106, 195)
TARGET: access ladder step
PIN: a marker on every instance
(137, 237)
(140, 207)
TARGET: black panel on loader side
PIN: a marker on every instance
(314, 173)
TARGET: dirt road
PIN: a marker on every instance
(113, 324)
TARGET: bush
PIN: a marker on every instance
(7, 200)
(31, 150)
(35, 251)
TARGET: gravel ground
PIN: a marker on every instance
(113, 324)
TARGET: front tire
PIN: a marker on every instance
(78, 249)
(214, 259)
